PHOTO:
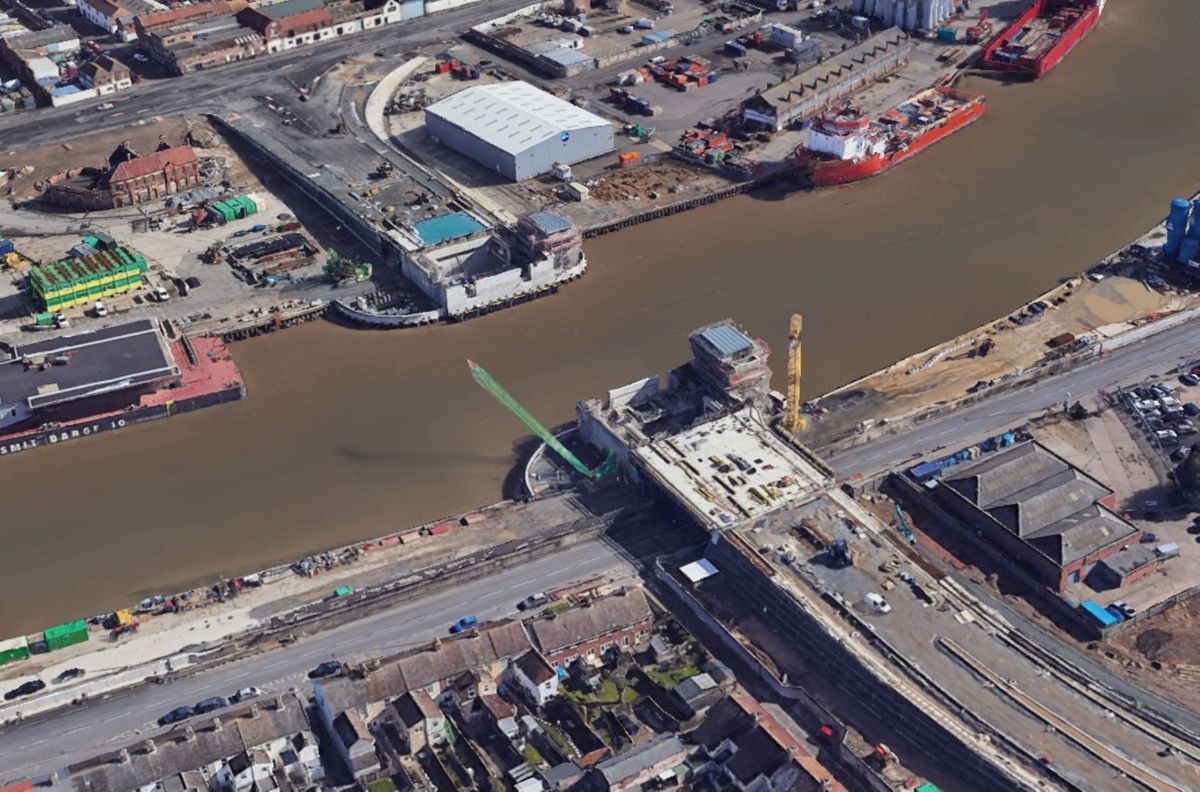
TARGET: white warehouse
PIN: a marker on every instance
(517, 130)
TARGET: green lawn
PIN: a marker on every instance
(532, 756)
(673, 676)
(382, 785)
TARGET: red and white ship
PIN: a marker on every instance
(1041, 36)
(844, 145)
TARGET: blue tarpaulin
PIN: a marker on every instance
(1098, 613)
(451, 226)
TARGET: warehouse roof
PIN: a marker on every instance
(567, 57)
(289, 8)
(549, 222)
(1042, 499)
(97, 362)
(512, 116)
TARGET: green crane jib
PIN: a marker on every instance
(491, 386)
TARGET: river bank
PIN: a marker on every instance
(348, 433)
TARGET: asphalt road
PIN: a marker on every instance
(210, 91)
(1151, 356)
(36, 747)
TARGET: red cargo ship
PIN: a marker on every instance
(1041, 36)
(844, 145)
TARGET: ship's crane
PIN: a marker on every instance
(793, 421)
(491, 386)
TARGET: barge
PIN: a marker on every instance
(1041, 36)
(845, 145)
(74, 386)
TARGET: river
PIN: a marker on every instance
(349, 434)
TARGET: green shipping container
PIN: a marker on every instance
(65, 635)
(343, 591)
(13, 649)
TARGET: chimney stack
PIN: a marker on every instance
(124, 755)
(150, 746)
(189, 734)
(254, 711)
(217, 727)
(280, 706)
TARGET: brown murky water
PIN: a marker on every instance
(351, 434)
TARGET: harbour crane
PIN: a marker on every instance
(491, 386)
(793, 421)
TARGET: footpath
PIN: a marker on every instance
(338, 585)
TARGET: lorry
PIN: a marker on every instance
(840, 554)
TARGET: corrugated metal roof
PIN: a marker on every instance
(512, 116)
(567, 57)
(726, 339)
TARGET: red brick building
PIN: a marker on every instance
(153, 176)
(1040, 512)
(585, 632)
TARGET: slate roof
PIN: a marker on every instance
(1042, 499)
(416, 706)
(640, 759)
(581, 624)
(534, 667)
(174, 753)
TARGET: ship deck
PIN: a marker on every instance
(120, 357)
(1039, 35)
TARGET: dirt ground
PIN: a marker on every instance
(93, 151)
(1170, 639)
(944, 373)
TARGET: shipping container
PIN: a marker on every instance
(410, 536)
(64, 635)
(14, 649)
(6, 247)
(439, 529)
(343, 591)
(735, 49)
(627, 158)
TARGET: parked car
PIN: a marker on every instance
(1185, 427)
(211, 704)
(104, 106)
(1179, 454)
(877, 603)
(533, 601)
(1162, 389)
(99, 309)
(70, 673)
(176, 715)
(1145, 393)
(1190, 379)
(1125, 608)
(247, 693)
(159, 294)
(193, 282)
(32, 686)
(328, 668)
(465, 623)
(1191, 408)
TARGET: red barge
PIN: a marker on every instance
(844, 145)
(74, 386)
(1041, 36)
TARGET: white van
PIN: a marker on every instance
(877, 603)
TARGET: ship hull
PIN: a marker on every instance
(1041, 66)
(824, 172)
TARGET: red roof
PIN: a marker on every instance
(784, 739)
(153, 163)
(20, 786)
(175, 16)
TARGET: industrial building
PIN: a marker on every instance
(516, 129)
(1046, 516)
(82, 374)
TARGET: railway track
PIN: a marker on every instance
(1101, 751)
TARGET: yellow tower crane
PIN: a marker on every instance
(793, 421)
